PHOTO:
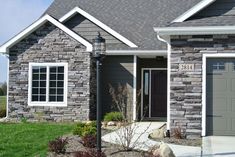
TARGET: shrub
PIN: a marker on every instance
(89, 141)
(1, 92)
(83, 129)
(78, 128)
(89, 130)
(23, 120)
(113, 116)
(58, 145)
(92, 123)
(89, 153)
(177, 133)
(3, 113)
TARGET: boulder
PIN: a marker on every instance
(163, 150)
(119, 124)
(104, 124)
(111, 123)
(159, 133)
(88, 122)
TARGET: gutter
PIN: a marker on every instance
(199, 30)
(137, 52)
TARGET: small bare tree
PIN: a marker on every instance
(120, 98)
(127, 137)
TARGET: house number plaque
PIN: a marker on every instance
(186, 67)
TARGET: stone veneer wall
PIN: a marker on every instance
(50, 44)
(186, 87)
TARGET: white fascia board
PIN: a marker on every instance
(4, 48)
(203, 30)
(98, 23)
(195, 9)
(136, 52)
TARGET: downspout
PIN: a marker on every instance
(4, 118)
(134, 87)
(167, 41)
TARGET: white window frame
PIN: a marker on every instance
(47, 103)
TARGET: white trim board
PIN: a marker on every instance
(98, 23)
(137, 52)
(46, 18)
(192, 11)
(202, 30)
(204, 59)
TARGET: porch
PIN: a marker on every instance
(146, 79)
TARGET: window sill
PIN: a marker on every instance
(63, 104)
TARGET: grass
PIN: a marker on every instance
(3, 101)
(29, 139)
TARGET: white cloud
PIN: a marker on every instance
(16, 15)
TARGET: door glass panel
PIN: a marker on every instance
(146, 82)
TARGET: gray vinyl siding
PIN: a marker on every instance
(218, 8)
(89, 30)
(116, 70)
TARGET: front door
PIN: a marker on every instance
(154, 94)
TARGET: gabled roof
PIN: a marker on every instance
(46, 18)
(98, 23)
(192, 11)
(132, 19)
(220, 13)
(217, 18)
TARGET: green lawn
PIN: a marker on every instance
(29, 139)
(3, 102)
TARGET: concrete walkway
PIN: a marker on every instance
(218, 146)
(141, 141)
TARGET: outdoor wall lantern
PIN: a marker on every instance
(99, 50)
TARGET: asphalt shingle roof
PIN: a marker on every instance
(133, 19)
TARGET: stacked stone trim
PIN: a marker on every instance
(186, 86)
(50, 44)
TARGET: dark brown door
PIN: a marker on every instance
(158, 93)
(154, 96)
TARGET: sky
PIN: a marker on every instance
(16, 15)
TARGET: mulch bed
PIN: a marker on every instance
(111, 150)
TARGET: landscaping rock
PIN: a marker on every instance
(104, 124)
(88, 122)
(163, 150)
(111, 123)
(159, 133)
(119, 124)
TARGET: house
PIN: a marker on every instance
(179, 53)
